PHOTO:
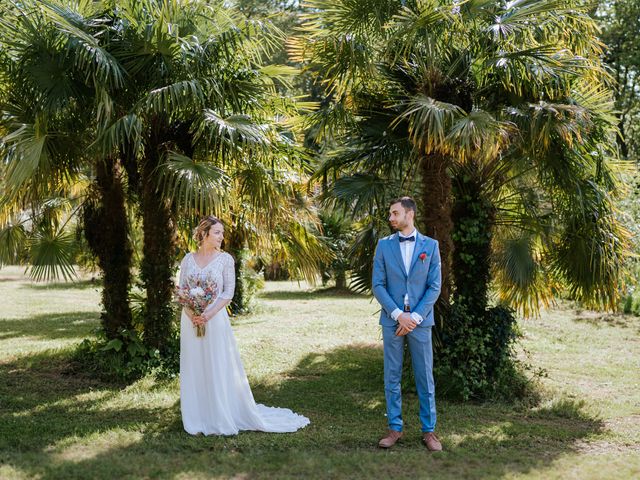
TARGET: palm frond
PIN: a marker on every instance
(125, 130)
(359, 193)
(590, 251)
(193, 187)
(90, 57)
(478, 135)
(417, 24)
(326, 124)
(233, 131)
(519, 277)
(362, 252)
(27, 152)
(51, 254)
(430, 121)
(263, 186)
(302, 250)
(13, 243)
(185, 93)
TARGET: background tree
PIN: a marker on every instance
(337, 232)
(620, 21)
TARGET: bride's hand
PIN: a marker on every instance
(198, 320)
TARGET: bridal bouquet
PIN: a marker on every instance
(197, 296)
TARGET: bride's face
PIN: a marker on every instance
(215, 236)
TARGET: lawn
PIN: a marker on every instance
(320, 354)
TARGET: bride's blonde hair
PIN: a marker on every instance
(202, 230)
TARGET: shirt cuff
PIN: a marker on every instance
(416, 317)
(396, 313)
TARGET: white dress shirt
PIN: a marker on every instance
(406, 249)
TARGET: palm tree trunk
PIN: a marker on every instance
(235, 244)
(435, 214)
(106, 231)
(276, 271)
(622, 139)
(158, 247)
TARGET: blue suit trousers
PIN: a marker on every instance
(419, 341)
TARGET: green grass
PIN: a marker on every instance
(318, 353)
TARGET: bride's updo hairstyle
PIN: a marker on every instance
(202, 230)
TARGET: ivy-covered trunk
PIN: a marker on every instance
(437, 187)
(158, 247)
(434, 213)
(106, 230)
(236, 245)
(476, 357)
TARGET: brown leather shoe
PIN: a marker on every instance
(432, 442)
(390, 440)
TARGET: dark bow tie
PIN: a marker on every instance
(408, 239)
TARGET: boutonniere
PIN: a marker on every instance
(423, 256)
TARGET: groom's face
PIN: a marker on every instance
(399, 218)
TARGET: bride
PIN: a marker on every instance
(215, 397)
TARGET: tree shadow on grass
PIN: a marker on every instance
(8, 279)
(75, 285)
(600, 320)
(50, 325)
(42, 403)
(321, 293)
(340, 391)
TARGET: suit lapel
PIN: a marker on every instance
(421, 242)
(395, 246)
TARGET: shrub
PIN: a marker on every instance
(476, 358)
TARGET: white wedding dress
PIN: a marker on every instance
(215, 397)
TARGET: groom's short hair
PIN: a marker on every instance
(407, 203)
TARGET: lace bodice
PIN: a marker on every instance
(220, 270)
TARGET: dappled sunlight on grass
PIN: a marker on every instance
(493, 433)
(563, 407)
(74, 449)
(340, 390)
(15, 473)
(320, 355)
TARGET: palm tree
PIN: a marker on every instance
(429, 91)
(53, 181)
(199, 127)
(170, 100)
(498, 116)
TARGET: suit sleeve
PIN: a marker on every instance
(379, 283)
(434, 283)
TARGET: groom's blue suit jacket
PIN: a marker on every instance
(391, 281)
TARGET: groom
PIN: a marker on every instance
(406, 282)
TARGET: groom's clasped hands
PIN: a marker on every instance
(405, 324)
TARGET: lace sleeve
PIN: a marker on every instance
(183, 271)
(228, 278)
